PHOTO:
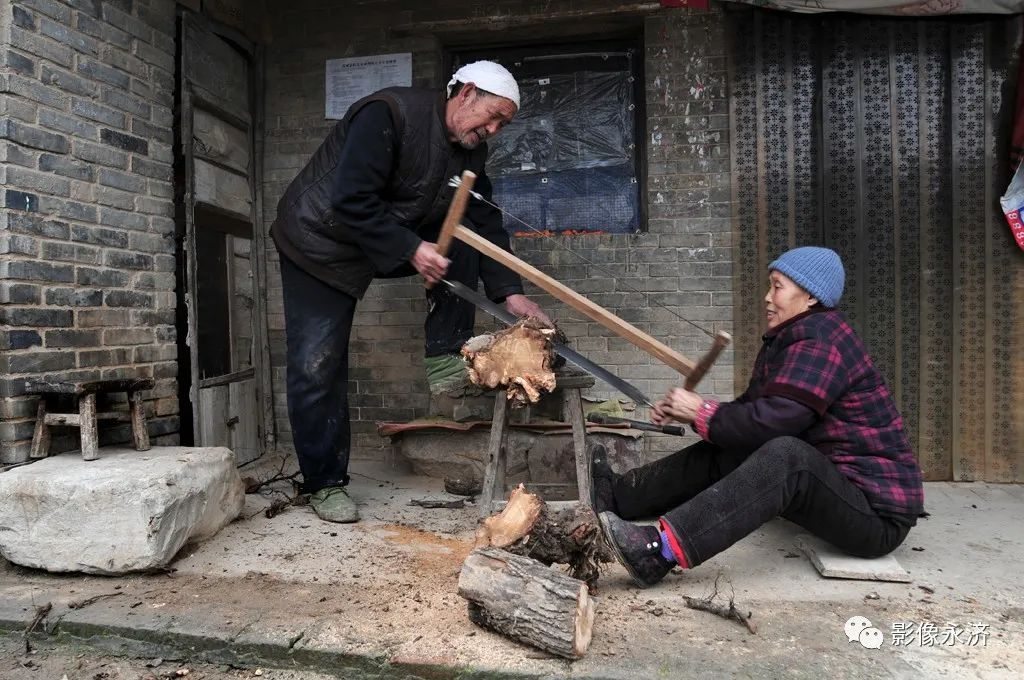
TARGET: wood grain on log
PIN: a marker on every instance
(527, 601)
(530, 527)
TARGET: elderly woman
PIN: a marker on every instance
(816, 438)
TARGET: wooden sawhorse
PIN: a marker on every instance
(493, 495)
(86, 418)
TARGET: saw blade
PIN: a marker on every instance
(570, 355)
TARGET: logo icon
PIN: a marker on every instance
(859, 629)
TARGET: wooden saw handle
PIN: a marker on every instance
(456, 211)
(722, 340)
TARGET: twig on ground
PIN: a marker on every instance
(88, 601)
(725, 611)
(256, 485)
(41, 613)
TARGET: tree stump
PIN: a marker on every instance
(527, 601)
(518, 358)
(530, 527)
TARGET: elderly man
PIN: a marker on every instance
(369, 204)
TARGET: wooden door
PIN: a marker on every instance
(225, 271)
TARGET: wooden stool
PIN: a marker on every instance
(86, 419)
(497, 450)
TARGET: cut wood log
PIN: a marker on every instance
(518, 358)
(530, 527)
(527, 601)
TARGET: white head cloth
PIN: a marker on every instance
(490, 76)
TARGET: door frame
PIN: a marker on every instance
(191, 97)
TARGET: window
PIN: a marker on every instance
(569, 161)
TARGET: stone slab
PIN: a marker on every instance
(127, 511)
(831, 563)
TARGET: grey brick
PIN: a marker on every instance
(71, 210)
(123, 141)
(148, 281)
(128, 260)
(128, 298)
(129, 63)
(112, 217)
(102, 114)
(95, 318)
(70, 252)
(162, 80)
(115, 198)
(18, 244)
(146, 317)
(42, 47)
(66, 167)
(165, 263)
(21, 109)
(103, 73)
(104, 357)
(69, 124)
(17, 408)
(50, 8)
(23, 223)
(126, 102)
(152, 132)
(33, 137)
(161, 190)
(127, 336)
(154, 206)
(142, 88)
(23, 18)
(30, 89)
(12, 293)
(150, 243)
(95, 153)
(18, 63)
(21, 200)
(90, 7)
(40, 182)
(66, 81)
(127, 23)
(74, 297)
(112, 238)
(121, 180)
(32, 317)
(66, 36)
(107, 278)
(18, 155)
(72, 338)
(14, 431)
(153, 55)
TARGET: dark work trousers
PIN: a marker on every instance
(711, 498)
(318, 322)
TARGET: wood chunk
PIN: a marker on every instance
(527, 601)
(528, 526)
(518, 358)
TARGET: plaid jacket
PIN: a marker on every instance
(817, 360)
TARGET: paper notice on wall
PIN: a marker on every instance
(348, 80)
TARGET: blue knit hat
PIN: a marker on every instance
(819, 271)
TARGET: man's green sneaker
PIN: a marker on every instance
(332, 504)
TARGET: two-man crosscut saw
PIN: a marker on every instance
(452, 228)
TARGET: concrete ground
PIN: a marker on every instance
(378, 599)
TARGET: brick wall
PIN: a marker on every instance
(681, 261)
(86, 217)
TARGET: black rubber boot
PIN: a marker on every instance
(638, 549)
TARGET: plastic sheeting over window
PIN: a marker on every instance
(567, 162)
